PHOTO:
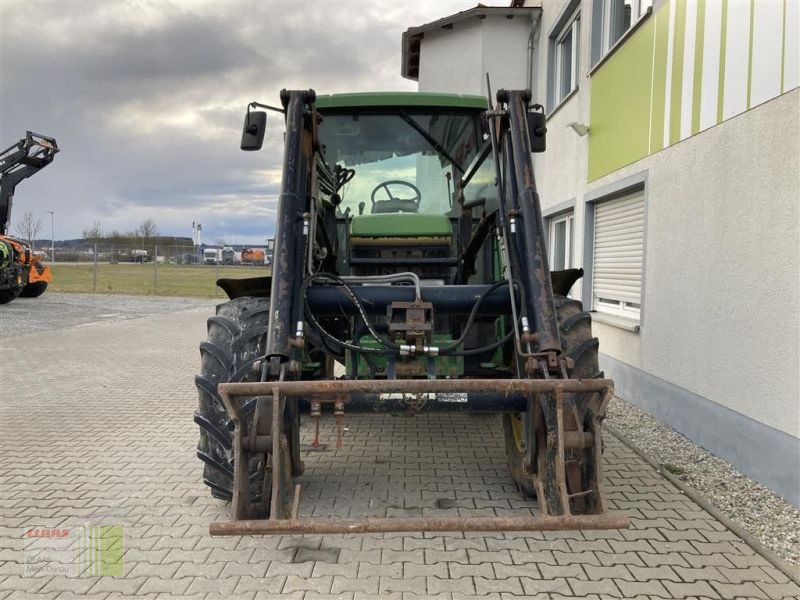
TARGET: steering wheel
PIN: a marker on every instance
(395, 203)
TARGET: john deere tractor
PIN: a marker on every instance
(409, 275)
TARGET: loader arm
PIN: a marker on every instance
(18, 162)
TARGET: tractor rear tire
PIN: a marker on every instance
(236, 340)
(34, 290)
(577, 343)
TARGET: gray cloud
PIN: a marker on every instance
(147, 99)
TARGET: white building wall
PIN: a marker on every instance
(457, 60)
(452, 63)
(722, 266)
(721, 291)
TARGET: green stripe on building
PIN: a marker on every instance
(676, 89)
(698, 65)
(659, 77)
(750, 53)
(783, 49)
(723, 44)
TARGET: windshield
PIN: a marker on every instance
(402, 161)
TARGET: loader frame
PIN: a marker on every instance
(18, 162)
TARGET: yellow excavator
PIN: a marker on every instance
(22, 272)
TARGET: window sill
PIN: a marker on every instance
(563, 101)
(625, 323)
(620, 42)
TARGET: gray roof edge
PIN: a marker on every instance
(409, 67)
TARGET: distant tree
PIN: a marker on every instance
(93, 233)
(28, 228)
(147, 230)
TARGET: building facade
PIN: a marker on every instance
(672, 176)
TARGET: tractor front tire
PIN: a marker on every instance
(577, 343)
(34, 290)
(236, 340)
(7, 296)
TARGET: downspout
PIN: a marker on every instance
(529, 68)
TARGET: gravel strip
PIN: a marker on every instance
(765, 515)
(55, 310)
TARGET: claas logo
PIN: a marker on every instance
(47, 532)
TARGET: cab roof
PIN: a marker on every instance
(401, 99)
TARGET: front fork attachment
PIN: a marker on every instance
(264, 438)
(564, 451)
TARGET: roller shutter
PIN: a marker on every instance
(618, 245)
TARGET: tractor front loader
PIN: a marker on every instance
(409, 250)
(22, 272)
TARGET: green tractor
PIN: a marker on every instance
(409, 275)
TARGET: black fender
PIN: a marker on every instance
(258, 287)
(564, 280)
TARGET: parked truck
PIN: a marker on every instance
(253, 256)
(227, 255)
(212, 256)
(139, 256)
(410, 251)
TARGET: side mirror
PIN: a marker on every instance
(255, 125)
(537, 130)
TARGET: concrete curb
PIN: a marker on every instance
(776, 561)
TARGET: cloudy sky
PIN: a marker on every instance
(147, 98)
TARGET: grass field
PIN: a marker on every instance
(147, 279)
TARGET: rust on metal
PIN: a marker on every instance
(565, 427)
(412, 524)
(367, 386)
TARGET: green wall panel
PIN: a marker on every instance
(620, 105)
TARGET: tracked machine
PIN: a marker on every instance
(22, 272)
(409, 251)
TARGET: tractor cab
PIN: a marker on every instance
(396, 159)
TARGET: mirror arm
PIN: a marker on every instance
(259, 105)
(267, 106)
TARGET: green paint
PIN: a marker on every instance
(783, 47)
(445, 366)
(750, 53)
(698, 65)
(102, 550)
(381, 99)
(110, 550)
(676, 89)
(723, 44)
(400, 224)
(659, 77)
(620, 105)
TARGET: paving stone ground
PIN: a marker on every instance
(96, 429)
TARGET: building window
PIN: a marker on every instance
(618, 247)
(561, 249)
(614, 19)
(565, 58)
(561, 245)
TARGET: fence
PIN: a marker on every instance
(165, 270)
